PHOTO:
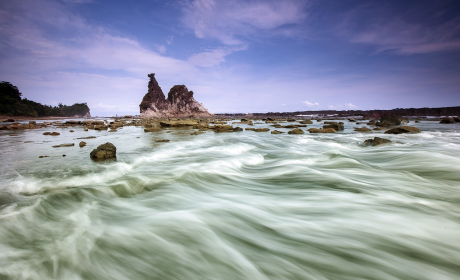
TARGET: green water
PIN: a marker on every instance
(242, 205)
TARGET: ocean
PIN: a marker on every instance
(242, 205)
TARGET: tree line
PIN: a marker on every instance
(12, 104)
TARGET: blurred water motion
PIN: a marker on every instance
(232, 206)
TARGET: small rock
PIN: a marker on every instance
(363, 129)
(162, 140)
(276, 132)
(376, 141)
(237, 129)
(88, 137)
(64, 145)
(71, 131)
(262, 129)
(82, 144)
(43, 156)
(196, 133)
(152, 129)
(322, 130)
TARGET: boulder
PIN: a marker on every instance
(376, 141)
(104, 151)
(403, 129)
(322, 130)
(82, 144)
(223, 128)
(351, 120)
(392, 120)
(237, 129)
(296, 131)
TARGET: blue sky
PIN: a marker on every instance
(236, 56)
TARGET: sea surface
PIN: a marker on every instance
(243, 205)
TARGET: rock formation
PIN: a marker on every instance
(180, 102)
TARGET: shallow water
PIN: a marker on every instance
(242, 205)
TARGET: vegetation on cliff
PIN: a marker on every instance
(12, 104)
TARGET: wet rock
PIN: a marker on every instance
(392, 120)
(262, 129)
(290, 126)
(376, 141)
(71, 131)
(42, 156)
(380, 128)
(9, 120)
(82, 144)
(88, 137)
(197, 133)
(322, 130)
(113, 130)
(276, 132)
(403, 129)
(162, 140)
(237, 129)
(351, 120)
(334, 125)
(457, 119)
(362, 129)
(183, 123)
(223, 128)
(447, 120)
(306, 122)
(290, 120)
(64, 145)
(104, 151)
(296, 131)
(51, 133)
(250, 128)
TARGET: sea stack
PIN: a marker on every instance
(180, 102)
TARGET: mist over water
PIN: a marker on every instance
(242, 205)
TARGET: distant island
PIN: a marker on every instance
(12, 104)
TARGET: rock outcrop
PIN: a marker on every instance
(403, 129)
(376, 141)
(104, 151)
(180, 102)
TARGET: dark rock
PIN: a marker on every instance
(290, 120)
(237, 129)
(447, 120)
(376, 141)
(162, 140)
(104, 151)
(9, 120)
(82, 144)
(296, 131)
(180, 102)
(306, 122)
(457, 119)
(43, 156)
(51, 133)
(403, 129)
(392, 120)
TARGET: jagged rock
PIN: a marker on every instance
(180, 102)
(363, 129)
(447, 120)
(322, 130)
(334, 125)
(376, 141)
(403, 129)
(82, 144)
(276, 132)
(64, 145)
(104, 151)
(296, 131)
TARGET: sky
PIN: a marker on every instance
(236, 56)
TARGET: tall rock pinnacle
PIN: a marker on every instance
(180, 102)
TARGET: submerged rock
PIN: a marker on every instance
(276, 132)
(64, 145)
(104, 151)
(51, 133)
(322, 130)
(403, 129)
(162, 140)
(152, 129)
(376, 141)
(363, 129)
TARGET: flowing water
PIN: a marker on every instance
(242, 205)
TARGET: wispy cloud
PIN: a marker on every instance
(310, 104)
(346, 106)
(229, 20)
(212, 57)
